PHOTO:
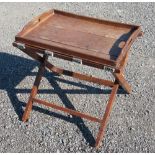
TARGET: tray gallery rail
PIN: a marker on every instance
(85, 40)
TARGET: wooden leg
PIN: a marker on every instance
(34, 89)
(123, 83)
(106, 115)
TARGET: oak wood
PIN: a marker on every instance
(34, 90)
(96, 42)
(106, 115)
(123, 83)
(89, 78)
(70, 111)
(100, 41)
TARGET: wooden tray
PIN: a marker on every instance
(95, 42)
(72, 36)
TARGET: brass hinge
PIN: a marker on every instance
(77, 60)
(21, 46)
(50, 53)
(107, 68)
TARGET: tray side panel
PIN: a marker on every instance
(87, 37)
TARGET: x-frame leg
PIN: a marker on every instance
(34, 89)
(106, 115)
(119, 80)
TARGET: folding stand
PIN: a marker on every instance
(35, 52)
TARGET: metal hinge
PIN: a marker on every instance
(21, 46)
(49, 53)
(77, 60)
(107, 68)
